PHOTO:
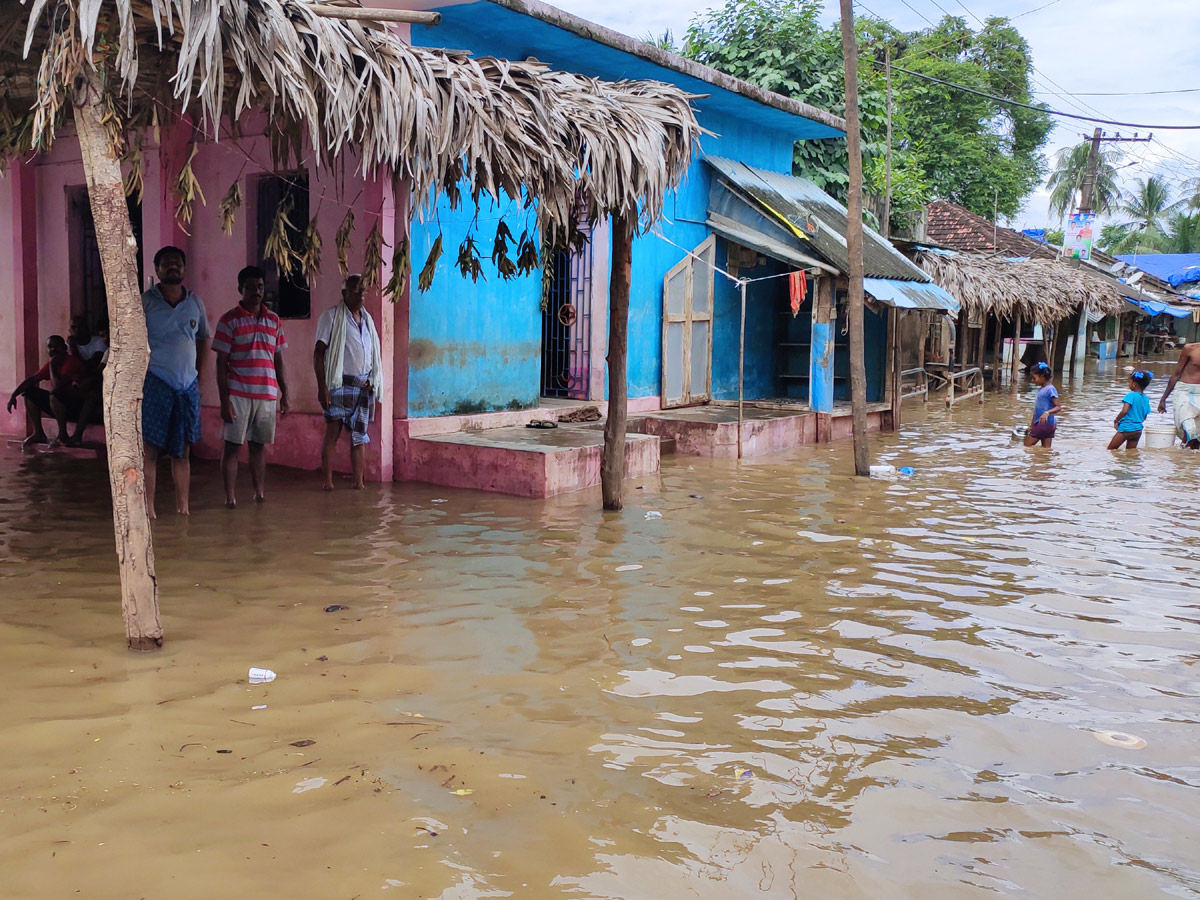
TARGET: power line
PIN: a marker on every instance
(1043, 109)
(1035, 9)
(1066, 93)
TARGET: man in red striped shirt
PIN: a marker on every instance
(250, 380)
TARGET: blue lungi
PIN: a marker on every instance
(170, 418)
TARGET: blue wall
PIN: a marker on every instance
(764, 301)
(472, 347)
(461, 321)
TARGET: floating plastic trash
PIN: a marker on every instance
(906, 470)
(883, 471)
(261, 676)
(630, 568)
(1120, 739)
(309, 784)
(1018, 433)
(653, 514)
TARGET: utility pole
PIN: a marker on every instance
(1087, 187)
(887, 177)
(854, 245)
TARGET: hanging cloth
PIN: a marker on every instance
(798, 288)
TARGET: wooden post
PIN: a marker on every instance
(129, 354)
(1016, 354)
(854, 246)
(895, 388)
(612, 463)
(741, 366)
(998, 353)
(886, 224)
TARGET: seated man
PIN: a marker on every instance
(63, 401)
(92, 350)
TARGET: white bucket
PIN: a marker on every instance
(883, 471)
(1158, 437)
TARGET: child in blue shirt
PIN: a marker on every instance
(1132, 417)
(1045, 409)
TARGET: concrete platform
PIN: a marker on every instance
(528, 462)
(712, 430)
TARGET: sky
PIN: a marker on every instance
(1079, 47)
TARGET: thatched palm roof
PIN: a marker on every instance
(1041, 290)
(425, 115)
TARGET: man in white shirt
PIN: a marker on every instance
(349, 369)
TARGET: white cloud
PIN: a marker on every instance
(1078, 45)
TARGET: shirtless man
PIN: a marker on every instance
(1187, 397)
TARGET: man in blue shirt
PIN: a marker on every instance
(177, 329)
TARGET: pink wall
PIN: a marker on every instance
(213, 261)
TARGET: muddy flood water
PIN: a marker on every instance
(979, 680)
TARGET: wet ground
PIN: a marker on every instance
(793, 683)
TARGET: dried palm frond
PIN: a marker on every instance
(469, 262)
(401, 263)
(341, 240)
(230, 204)
(373, 256)
(278, 247)
(527, 253)
(500, 260)
(512, 131)
(1040, 290)
(133, 164)
(187, 189)
(425, 279)
(310, 254)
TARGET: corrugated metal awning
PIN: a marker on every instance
(910, 294)
(798, 213)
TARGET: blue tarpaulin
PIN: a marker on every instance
(1158, 308)
(910, 294)
(1173, 268)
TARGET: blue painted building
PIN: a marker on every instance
(496, 344)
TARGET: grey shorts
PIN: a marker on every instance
(253, 420)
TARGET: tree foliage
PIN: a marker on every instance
(949, 143)
(1066, 181)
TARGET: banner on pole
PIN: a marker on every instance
(1077, 240)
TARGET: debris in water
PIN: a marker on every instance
(1120, 739)
(224, 751)
(653, 514)
(322, 658)
(260, 706)
(777, 581)
(309, 784)
(906, 470)
(696, 496)
(640, 642)
(304, 743)
(335, 607)
(743, 774)
(261, 676)
(462, 792)
(633, 567)
(703, 594)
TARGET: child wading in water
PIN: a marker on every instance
(1045, 409)
(1132, 417)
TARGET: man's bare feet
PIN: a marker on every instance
(151, 514)
(183, 512)
(359, 486)
(73, 440)
(260, 498)
(54, 444)
(37, 437)
(327, 486)
(231, 504)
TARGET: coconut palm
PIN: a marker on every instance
(1145, 208)
(1183, 233)
(1066, 181)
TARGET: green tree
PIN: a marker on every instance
(1182, 233)
(967, 148)
(1148, 204)
(781, 46)
(1066, 181)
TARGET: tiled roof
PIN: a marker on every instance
(956, 228)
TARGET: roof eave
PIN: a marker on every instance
(623, 42)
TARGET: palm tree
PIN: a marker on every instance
(1148, 204)
(1066, 181)
(1183, 233)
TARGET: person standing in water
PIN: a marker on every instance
(348, 364)
(1045, 409)
(1186, 404)
(1132, 418)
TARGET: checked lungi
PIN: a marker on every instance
(170, 418)
(353, 405)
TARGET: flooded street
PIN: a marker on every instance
(793, 683)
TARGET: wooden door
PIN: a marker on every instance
(687, 328)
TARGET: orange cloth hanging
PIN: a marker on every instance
(798, 288)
